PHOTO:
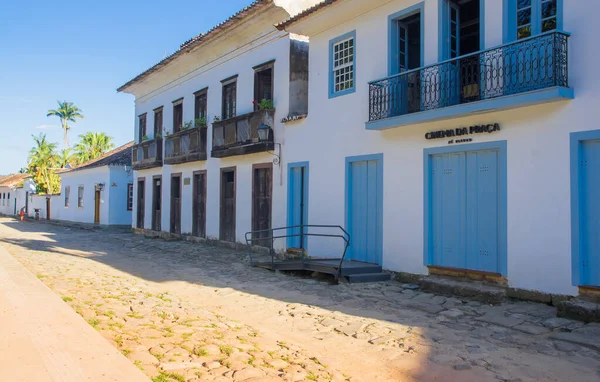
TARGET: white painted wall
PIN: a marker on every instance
(539, 221)
(7, 200)
(274, 46)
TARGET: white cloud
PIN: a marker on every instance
(47, 127)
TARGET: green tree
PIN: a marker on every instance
(67, 112)
(66, 159)
(42, 162)
(92, 146)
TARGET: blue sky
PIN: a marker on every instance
(81, 51)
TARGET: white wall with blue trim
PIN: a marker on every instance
(537, 141)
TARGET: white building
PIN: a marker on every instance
(15, 193)
(445, 136)
(200, 166)
(460, 136)
(99, 191)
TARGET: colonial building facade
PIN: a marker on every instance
(445, 136)
(209, 158)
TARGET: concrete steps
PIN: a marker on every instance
(579, 309)
(368, 277)
(488, 294)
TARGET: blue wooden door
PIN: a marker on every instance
(364, 216)
(464, 210)
(589, 207)
(297, 206)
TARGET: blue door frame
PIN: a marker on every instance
(577, 257)
(297, 192)
(377, 204)
(502, 198)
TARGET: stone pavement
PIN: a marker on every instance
(358, 332)
(42, 339)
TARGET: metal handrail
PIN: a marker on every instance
(345, 236)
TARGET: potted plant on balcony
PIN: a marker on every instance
(187, 125)
(145, 138)
(200, 122)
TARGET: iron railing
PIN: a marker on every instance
(241, 130)
(534, 63)
(147, 154)
(257, 236)
(185, 146)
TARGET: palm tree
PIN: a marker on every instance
(66, 159)
(42, 159)
(67, 112)
(92, 146)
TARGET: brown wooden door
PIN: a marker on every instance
(47, 208)
(176, 204)
(262, 184)
(199, 205)
(97, 207)
(156, 203)
(141, 203)
(227, 221)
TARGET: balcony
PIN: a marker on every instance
(186, 146)
(147, 154)
(526, 72)
(239, 135)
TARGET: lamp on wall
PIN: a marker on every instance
(264, 132)
(100, 186)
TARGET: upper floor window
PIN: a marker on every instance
(67, 195)
(129, 196)
(158, 121)
(200, 104)
(263, 85)
(229, 98)
(142, 126)
(526, 18)
(177, 114)
(342, 65)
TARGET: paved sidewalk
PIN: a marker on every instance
(43, 339)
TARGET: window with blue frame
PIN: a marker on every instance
(342, 66)
(526, 18)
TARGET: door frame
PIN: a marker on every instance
(305, 188)
(502, 197)
(194, 203)
(348, 182)
(47, 208)
(221, 192)
(180, 176)
(257, 166)
(139, 211)
(156, 225)
(576, 139)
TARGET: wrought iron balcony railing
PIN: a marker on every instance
(186, 146)
(147, 154)
(239, 135)
(534, 63)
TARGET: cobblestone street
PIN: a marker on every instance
(190, 312)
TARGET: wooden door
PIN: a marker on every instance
(141, 203)
(97, 207)
(589, 215)
(176, 204)
(227, 215)
(156, 203)
(262, 185)
(199, 204)
(47, 208)
(27, 203)
(298, 206)
(464, 208)
(364, 210)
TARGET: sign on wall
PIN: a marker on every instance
(462, 132)
(186, 181)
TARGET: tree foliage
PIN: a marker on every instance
(42, 162)
(92, 146)
(67, 112)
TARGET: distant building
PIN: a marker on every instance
(15, 193)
